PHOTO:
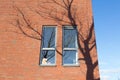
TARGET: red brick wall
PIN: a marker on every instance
(19, 55)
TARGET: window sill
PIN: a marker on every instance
(71, 65)
(48, 65)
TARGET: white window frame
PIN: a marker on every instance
(49, 49)
(70, 49)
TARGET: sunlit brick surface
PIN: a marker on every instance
(20, 55)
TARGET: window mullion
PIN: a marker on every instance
(69, 48)
(48, 48)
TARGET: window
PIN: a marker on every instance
(47, 56)
(70, 46)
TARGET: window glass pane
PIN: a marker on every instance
(47, 57)
(69, 57)
(69, 38)
(48, 37)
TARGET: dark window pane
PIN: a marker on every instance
(48, 37)
(47, 57)
(69, 57)
(69, 38)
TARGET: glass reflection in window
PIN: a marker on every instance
(47, 56)
(70, 45)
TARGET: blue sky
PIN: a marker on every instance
(107, 28)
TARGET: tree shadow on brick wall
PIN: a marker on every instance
(88, 45)
(68, 14)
